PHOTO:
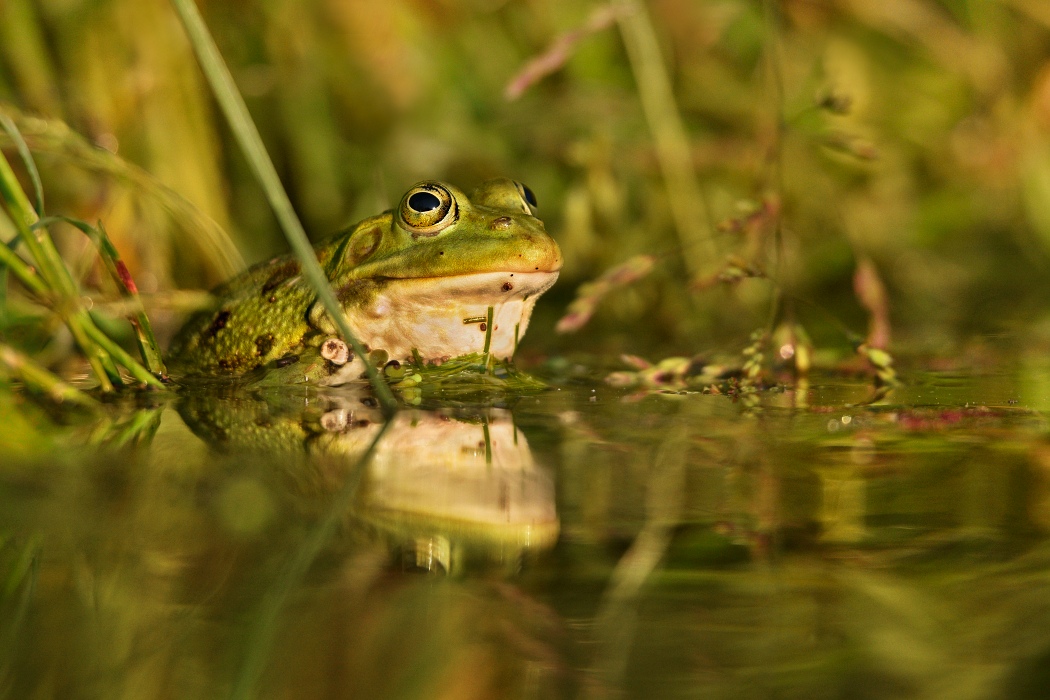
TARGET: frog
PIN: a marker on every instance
(416, 282)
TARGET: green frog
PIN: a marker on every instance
(416, 282)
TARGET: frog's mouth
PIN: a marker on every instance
(442, 317)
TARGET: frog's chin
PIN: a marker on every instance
(443, 317)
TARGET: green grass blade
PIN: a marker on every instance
(244, 130)
(9, 260)
(265, 623)
(27, 161)
(55, 138)
(688, 207)
(40, 379)
(488, 339)
(54, 273)
(120, 355)
(147, 342)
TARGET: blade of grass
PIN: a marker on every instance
(110, 256)
(139, 430)
(4, 318)
(40, 379)
(264, 626)
(244, 130)
(488, 336)
(55, 274)
(22, 582)
(27, 161)
(9, 260)
(774, 76)
(120, 355)
(616, 621)
(54, 137)
(34, 176)
(688, 207)
(147, 342)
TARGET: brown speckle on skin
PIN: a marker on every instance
(507, 286)
(217, 323)
(264, 344)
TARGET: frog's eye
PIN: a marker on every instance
(428, 208)
(527, 195)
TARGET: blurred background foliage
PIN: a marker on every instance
(911, 134)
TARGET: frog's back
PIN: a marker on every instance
(257, 318)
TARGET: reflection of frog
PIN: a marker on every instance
(420, 278)
(447, 490)
(464, 488)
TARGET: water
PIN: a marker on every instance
(577, 542)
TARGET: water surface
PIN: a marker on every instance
(582, 541)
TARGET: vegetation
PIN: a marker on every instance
(907, 140)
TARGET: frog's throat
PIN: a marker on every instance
(432, 471)
(442, 317)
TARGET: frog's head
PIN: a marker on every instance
(437, 231)
(424, 275)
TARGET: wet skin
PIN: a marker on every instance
(419, 279)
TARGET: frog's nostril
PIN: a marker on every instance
(500, 223)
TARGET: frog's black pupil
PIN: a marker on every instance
(529, 196)
(424, 202)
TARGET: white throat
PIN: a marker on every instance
(443, 317)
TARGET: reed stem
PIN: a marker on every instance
(247, 135)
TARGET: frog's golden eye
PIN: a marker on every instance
(428, 208)
(527, 195)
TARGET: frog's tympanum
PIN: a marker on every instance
(418, 280)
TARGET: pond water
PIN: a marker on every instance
(579, 541)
